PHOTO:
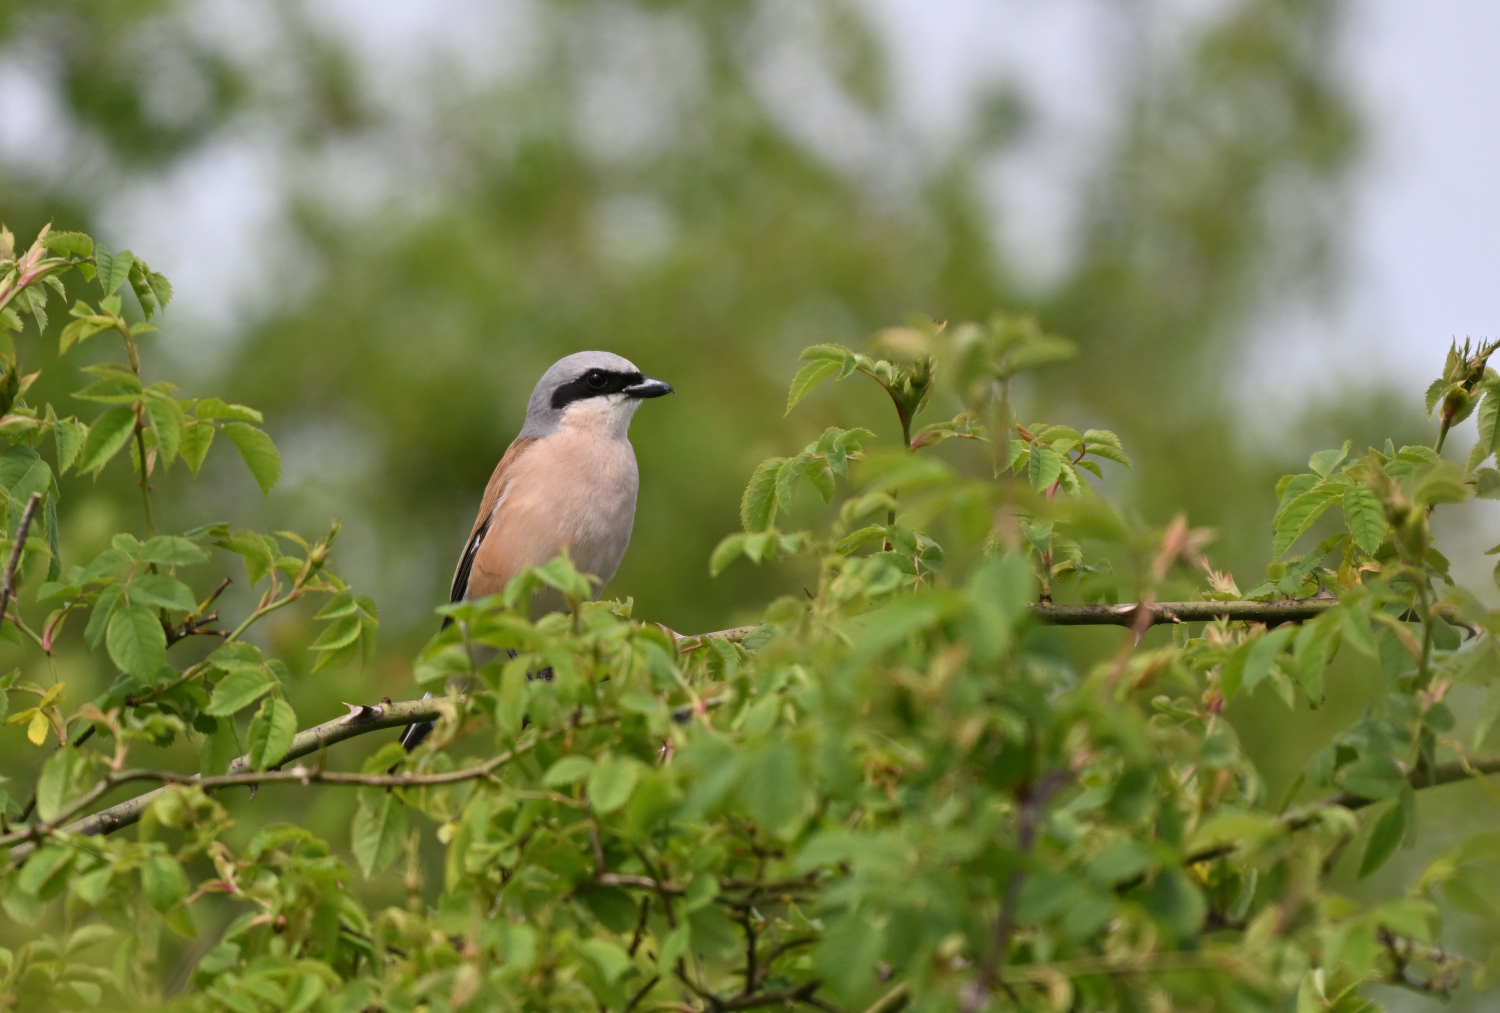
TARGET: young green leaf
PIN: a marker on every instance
(378, 831)
(106, 437)
(271, 733)
(1300, 514)
(114, 269)
(1384, 838)
(136, 641)
(758, 505)
(808, 377)
(1364, 517)
(1046, 466)
(611, 782)
(161, 591)
(164, 881)
(197, 437)
(260, 454)
(238, 690)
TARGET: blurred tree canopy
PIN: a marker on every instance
(704, 187)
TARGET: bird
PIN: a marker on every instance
(567, 481)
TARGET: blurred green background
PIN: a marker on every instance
(399, 219)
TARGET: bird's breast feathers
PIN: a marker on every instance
(574, 490)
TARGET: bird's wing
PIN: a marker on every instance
(493, 493)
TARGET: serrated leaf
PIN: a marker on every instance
(378, 831)
(172, 550)
(1045, 468)
(106, 437)
(136, 641)
(758, 504)
(169, 424)
(197, 437)
(786, 480)
(1300, 515)
(341, 633)
(161, 591)
(259, 453)
(1364, 517)
(1435, 392)
(238, 690)
(66, 243)
(114, 269)
(808, 377)
(271, 733)
(69, 435)
(1262, 654)
(213, 408)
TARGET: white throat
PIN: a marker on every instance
(606, 415)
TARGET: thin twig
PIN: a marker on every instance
(8, 583)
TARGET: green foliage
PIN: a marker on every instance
(889, 792)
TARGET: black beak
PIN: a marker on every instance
(648, 388)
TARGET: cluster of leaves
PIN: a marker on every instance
(892, 792)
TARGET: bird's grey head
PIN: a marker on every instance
(588, 388)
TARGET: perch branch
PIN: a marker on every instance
(8, 583)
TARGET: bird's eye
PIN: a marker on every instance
(595, 379)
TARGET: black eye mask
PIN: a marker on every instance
(593, 383)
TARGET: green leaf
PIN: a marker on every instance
(271, 732)
(1364, 517)
(136, 641)
(260, 454)
(729, 549)
(238, 690)
(1262, 655)
(611, 782)
(109, 433)
(259, 552)
(99, 617)
(758, 505)
(197, 437)
(1373, 777)
(218, 749)
(49, 861)
(55, 784)
(114, 270)
(164, 880)
(213, 408)
(808, 377)
(845, 956)
(1384, 838)
(1324, 461)
(568, 770)
(161, 591)
(771, 787)
(1046, 466)
(69, 434)
(786, 480)
(168, 422)
(66, 243)
(172, 550)
(610, 960)
(378, 831)
(1489, 429)
(1302, 512)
